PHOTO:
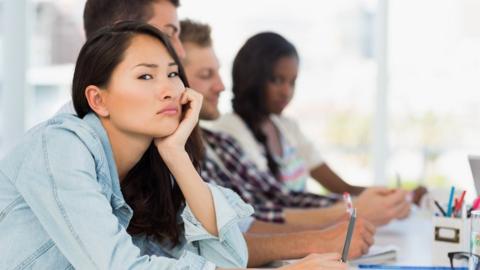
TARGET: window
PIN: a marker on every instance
(434, 90)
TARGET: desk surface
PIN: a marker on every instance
(413, 236)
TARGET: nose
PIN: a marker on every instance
(169, 90)
(177, 45)
(218, 87)
(287, 89)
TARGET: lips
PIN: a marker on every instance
(283, 102)
(169, 110)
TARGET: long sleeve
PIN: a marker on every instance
(61, 188)
(227, 165)
(228, 250)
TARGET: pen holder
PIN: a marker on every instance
(449, 235)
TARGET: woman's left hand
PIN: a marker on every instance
(176, 141)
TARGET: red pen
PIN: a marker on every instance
(455, 205)
(476, 203)
(459, 203)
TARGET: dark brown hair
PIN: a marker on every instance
(196, 33)
(148, 187)
(101, 13)
(252, 69)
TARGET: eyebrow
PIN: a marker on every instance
(154, 65)
(146, 65)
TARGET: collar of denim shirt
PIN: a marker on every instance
(94, 122)
(121, 209)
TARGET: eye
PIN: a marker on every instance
(145, 77)
(276, 80)
(172, 74)
(206, 75)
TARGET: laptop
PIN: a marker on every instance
(474, 161)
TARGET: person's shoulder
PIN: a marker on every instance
(286, 121)
(228, 119)
(72, 126)
(230, 123)
(219, 138)
(65, 125)
(62, 139)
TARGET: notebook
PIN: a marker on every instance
(378, 254)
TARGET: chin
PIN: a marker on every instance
(209, 115)
(277, 112)
(163, 130)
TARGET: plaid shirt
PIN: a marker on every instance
(227, 165)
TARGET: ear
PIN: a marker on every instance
(96, 100)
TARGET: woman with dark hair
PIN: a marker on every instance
(263, 77)
(116, 187)
(78, 187)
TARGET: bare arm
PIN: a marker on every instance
(172, 150)
(265, 248)
(320, 217)
(331, 181)
(329, 261)
(196, 191)
(269, 227)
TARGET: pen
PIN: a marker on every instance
(455, 205)
(348, 202)
(348, 238)
(399, 180)
(476, 203)
(460, 202)
(440, 208)
(450, 201)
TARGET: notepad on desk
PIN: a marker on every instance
(378, 254)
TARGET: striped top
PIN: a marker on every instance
(292, 167)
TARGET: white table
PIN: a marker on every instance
(413, 236)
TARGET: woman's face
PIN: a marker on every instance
(143, 94)
(281, 86)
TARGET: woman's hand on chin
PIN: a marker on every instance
(191, 102)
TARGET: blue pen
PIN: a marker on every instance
(379, 266)
(450, 201)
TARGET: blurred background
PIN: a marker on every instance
(386, 89)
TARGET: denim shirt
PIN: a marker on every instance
(61, 207)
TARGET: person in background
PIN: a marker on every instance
(263, 82)
(202, 67)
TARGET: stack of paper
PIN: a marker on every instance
(378, 254)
